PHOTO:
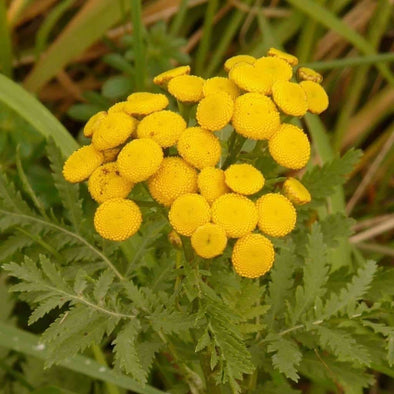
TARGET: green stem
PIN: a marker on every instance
(100, 358)
(179, 18)
(5, 39)
(138, 44)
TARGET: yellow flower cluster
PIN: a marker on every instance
(141, 140)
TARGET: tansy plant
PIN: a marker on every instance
(198, 191)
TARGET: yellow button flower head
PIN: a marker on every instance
(144, 103)
(316, 96)
(81, 164)
(199, 147)
(247, 77)
(186, 88)
(163, 78)
(188, 212)
(209, 240)
(211, 183)
(113, 131)
(290, 98)
(290, 147)
(165, 127)
(232, 61)
(255, 116)
(140, 159)
(296, 192)
(110, 154)
(235, 213)
(221, 84)
(292, 60)
(252, 255)
(118, 107)
(214, 111)
(244, 179)
(106, 183)
(174, 178)
(277, 216)
(117, 219)
(308, 74)
(93, 123)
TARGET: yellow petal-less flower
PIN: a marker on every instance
(290, 147)
(110, 154)
(163, 78)
(117, 219)
(290, 98)
(316, 96)
(164, 127)
(199, 147)
(209, 240)
(253, 256)
(106, 183)
(221, 84)
(80, 165)
(186, 88)
(244, 179)
(232, 61)
(144, 103)
(211, 183)
(235, 213)
(174, 178)
(247, 77)
(277, 215)
(93, 123)
(296, 192)
(140, 159)
(113, 131)
(292, 60)
(214, 111)
(255, 116)
(308, 74)
(188, 212)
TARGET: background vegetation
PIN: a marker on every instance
(80, 57)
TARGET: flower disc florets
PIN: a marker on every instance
(232, 61)
(235, 213)
(165, 127)
(292, 60)
(186, 88)
(93, 123)
(163, 78)
(316, 96)
(290, 98)
(209, 240)
(221, 84)
(296, 192)
(211, 183)
(117, 219)
(188, 212)
(253, 255)
(144, 103)
(307, 74)
(244, 179)
(247, 77)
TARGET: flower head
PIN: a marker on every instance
(290, 98)
(277, 216)
(174, 178)
(117, 219)
(186, 88)
(188, 212)
(308, 74)
(244, 179)
(214, 111)
(296, 192)
(221, 84)
(80, 165)
(211, 183)
(93, 123)
(274, 69)
(209, 240)
(292, 60)
(144, 103)
(316, 96)
(113, 130)
(232, 61)
(140, 159)
(247, 77)
(199, 147)
(106, 183)
(253, 255)
(163, 78)
(235, 213)
(255, 116)
(290, 147)
(165, 127)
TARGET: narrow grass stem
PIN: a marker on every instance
(138, 44)
(177, 22)
(5, 39)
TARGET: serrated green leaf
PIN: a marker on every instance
(45, 307)
(203, 341)
(102, 285)
(335, 227)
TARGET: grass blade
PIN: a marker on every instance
(27, 343)
(5, 40)
(28, 108)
